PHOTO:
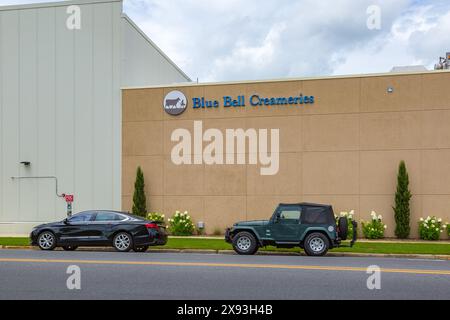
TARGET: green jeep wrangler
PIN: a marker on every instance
(309, 226)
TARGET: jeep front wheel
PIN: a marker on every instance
(316, 244)
(245, 243)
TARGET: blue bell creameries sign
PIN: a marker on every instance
(254, 101)
(175, 102)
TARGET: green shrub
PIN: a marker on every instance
(374, 229)
(155, 216)
(349, 216)
(431, 228)
(401, 209)
(139, 199)
(181, 224)
(448, 228)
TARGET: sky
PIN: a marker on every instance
(226, 40)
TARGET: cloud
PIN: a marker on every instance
(263, 39)
(239, 40)
(417, 37)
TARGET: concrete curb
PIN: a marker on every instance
(395, 241)
(262, 253)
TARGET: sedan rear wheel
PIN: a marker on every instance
(47, 241)
(123, 242)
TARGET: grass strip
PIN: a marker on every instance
(359, 247)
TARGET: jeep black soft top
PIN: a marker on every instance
(314, 213)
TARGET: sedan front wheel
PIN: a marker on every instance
(47, 241)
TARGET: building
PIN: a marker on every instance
(62, 66)
(340, 142)
(86, 98)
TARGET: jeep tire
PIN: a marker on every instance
(316, 244)
(245, 243)
(343, 228)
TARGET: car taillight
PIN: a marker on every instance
(152, 226)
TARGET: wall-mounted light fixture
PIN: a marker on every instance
(26, 163)
(201, 225)
(390, 90)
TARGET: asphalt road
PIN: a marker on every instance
(33, 274)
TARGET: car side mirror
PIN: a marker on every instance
(66, 221)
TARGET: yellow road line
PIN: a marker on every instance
(227, 265)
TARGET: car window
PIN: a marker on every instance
(81, 217)
(108, 216)
(290, 213)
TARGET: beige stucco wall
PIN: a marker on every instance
(344, 149)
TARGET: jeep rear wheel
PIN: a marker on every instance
(245, 243)
(316, 244)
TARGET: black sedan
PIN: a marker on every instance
(100, 228)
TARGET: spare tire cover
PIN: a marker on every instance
(343, 228)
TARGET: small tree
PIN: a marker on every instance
(401, 209)
(139, 201)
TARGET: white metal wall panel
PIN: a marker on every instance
(1, 122)
(46, 153)
(65, 105)
(84, 115)
(10, 113)
(142, 63)
(60, 110)
(60, 106)
(117, 44)
(103, 95)
(28, 111)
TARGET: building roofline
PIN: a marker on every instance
(353, 76)
(142, 33)
(63, 3)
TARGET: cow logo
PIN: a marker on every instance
(175, 103)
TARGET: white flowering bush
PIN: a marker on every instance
(431, 228)
(181, 224)
(349, 215)
(374, 229)
(155, 216)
